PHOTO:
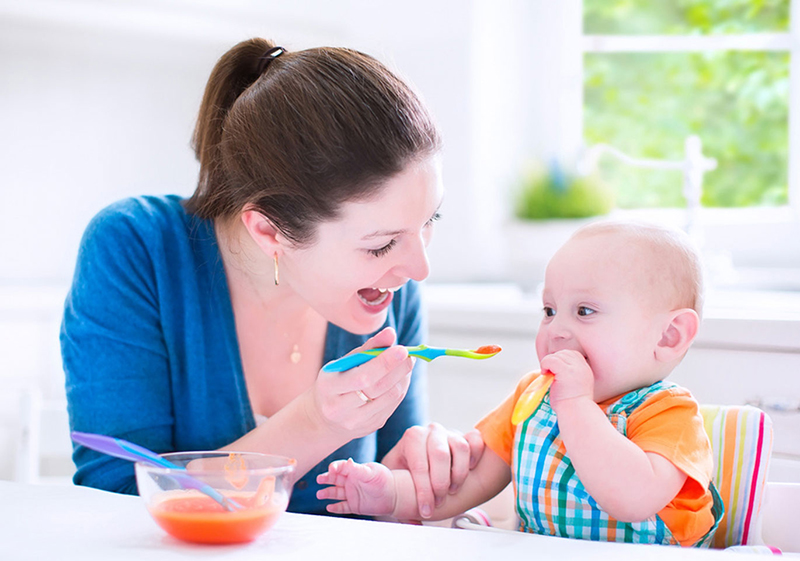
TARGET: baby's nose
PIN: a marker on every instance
(558, 330)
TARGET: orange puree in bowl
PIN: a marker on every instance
(200, 519)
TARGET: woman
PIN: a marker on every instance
(204, 323)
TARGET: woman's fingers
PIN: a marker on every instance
(414, 457)
(375, 377)
(386, 373)
(425, 453)
(387, 401)
(383, 338)
(459, 461)
(439, 461)
(476, 447)
(360, 400)
(386, 337)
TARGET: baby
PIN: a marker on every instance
(612, 452)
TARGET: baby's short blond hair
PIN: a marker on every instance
(669, 253)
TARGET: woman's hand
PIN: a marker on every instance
(439, 461)
(358, 402)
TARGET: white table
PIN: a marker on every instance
(55, 523)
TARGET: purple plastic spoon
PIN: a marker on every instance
(129, 451)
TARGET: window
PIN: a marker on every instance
(656, 72)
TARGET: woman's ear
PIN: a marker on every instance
(262, 231)
(678, 335)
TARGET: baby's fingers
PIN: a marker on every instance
(330, 476)
(555, 363)
(338, 472)
(339, 508)
(333, 493)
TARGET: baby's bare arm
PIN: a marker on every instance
(627, 482)
(486, 480)
(373, 489)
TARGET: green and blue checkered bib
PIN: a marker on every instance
(551, 500)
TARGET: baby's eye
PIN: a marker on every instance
(549, 312)
(585, 311)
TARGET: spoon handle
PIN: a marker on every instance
(356, 359)
(531, 398)
(125, 450)
(120, 449)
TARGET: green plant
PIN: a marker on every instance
(551, 193)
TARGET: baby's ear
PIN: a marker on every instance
(678, 335)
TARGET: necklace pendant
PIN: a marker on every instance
(295, 356)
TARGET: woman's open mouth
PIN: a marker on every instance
(376, 297)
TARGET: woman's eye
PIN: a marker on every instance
(381, 251)
(585, 311)
(436, 216)
(549, 312)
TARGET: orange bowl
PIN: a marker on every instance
(258, 484)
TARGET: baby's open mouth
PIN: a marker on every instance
(376, 296)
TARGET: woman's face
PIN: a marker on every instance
(350, 273)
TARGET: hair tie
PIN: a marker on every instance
(268, 57)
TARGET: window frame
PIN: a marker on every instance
(781, 222)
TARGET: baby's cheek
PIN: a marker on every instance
(541, 344)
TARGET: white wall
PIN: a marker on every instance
(98, 101)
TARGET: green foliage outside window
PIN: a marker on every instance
(684, 17)
(646, 104)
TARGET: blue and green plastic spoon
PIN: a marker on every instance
(420, 351)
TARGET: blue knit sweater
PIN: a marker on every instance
(150, 350)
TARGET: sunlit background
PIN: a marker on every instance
(554, 112)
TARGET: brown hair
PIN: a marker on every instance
(317, 128)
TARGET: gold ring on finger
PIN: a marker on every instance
(364, 397)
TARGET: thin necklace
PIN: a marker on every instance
(296, 355)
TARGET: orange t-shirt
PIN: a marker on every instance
(667, 423)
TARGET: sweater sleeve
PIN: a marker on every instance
(114, 356)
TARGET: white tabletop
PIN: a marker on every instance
(66, 522)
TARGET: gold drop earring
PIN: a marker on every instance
(275, 261)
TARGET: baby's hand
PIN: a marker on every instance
(573, 376)
(360, 488)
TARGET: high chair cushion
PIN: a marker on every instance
(741, 439)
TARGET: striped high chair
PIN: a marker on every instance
(741, 439)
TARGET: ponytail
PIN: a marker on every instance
(296, 134)
(233, 74)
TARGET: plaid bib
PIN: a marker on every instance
(551, 500)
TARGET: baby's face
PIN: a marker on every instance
(600, 300)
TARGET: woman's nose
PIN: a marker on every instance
(415, 263)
